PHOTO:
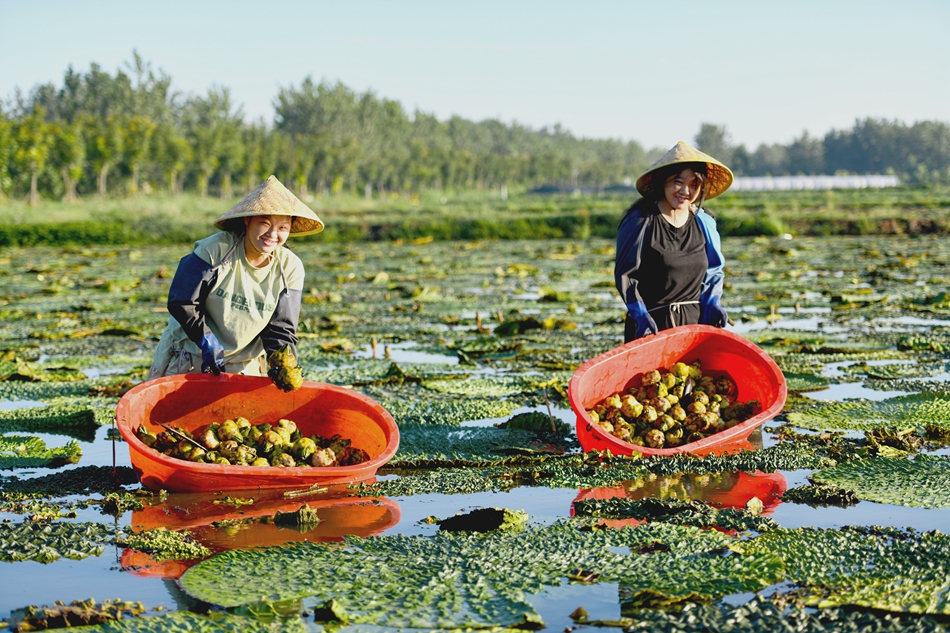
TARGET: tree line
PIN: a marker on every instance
(918, 154)
(130, 132)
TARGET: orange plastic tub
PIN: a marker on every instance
(720, 352)
(191, 401)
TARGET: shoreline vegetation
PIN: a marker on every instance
(440, 215)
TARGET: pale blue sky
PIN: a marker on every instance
(649, 71)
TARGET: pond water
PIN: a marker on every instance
(418, 343)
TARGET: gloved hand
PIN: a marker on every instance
(644, 322)
(714, 314)
(212, 355)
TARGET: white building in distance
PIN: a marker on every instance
(790, 183)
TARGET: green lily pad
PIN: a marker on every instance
(922, 482)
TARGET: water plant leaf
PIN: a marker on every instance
(101, 479)
(762, 615)
(46, 542)
(879, 569)
(821, 495)
(863, 414)
(428, 445)
(451, 580)
(923, 481)
(680, 512)
(31, 452)
(164, 544)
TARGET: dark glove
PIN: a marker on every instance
(212, 355)
(714, 314)
(644, 322)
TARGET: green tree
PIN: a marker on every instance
(137, 138)
(104, 142)
(170, 153)
(806, 155)
(205, 121)
(34, 137)
(69, 155)
(715, 141)
(7, 149)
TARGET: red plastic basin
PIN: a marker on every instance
(192, 401)
(719, 351)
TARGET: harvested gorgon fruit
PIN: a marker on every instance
(672, 408)
(237, 442)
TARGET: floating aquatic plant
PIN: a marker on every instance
(31, 452)
(890, 570)
(866, 414)
(165, 544)
(457, 580)
(923, 481)
(45, 542)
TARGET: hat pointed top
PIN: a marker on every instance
(271, 198)
(718, 176)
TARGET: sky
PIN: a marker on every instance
(652, 72)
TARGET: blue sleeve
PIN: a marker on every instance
(712, 312)
(627, 261)
(282, 328)
(190, 287)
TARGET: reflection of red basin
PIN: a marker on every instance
(733, 492)
(142, 564)
(339, 516)
(192, 401)
(721, 352)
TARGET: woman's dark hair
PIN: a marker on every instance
(658, 180)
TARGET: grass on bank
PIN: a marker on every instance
(475, 215)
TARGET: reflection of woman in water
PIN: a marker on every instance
(236, 297)
(669, 266)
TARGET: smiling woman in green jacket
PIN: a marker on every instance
(236, 298)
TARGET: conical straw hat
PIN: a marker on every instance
(718, 176)
(271, 198)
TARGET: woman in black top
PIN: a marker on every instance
(669, 265)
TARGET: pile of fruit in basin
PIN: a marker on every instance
(238, 442)
(672, 408)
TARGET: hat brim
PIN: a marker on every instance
(718, 177)
(271, 198)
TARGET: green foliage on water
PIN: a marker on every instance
(590, 470)
(18, 451)
(45, 542)
(452, 580)
(761, 615)
(888, 569)
(917, 409)
(77, 480)
(164, 544)
(922, 482)
(674, 511)
(427, 445)
(212, 622)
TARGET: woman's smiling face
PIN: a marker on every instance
(682, 189)
(266, 233)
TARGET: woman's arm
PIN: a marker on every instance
(630, 237)
(190, 287)
(712, 312)
(282, 328)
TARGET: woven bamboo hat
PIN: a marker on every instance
(271, 198)
(718, 176)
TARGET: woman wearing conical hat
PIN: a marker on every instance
(236, 298)
(669, 264)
